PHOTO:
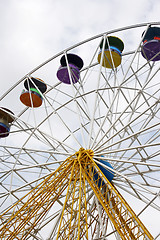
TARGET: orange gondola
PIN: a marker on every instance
(33, 95)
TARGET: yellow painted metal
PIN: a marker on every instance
(73, 223)
(36, 204)
(73, 179)
(120, 213)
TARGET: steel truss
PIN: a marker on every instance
(77, 216)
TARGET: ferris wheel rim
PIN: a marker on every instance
(76, 45)
(99, 151)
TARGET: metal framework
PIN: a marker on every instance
(116, 113)
(71, 177)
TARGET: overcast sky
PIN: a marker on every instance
(31, 31)
(34, 30)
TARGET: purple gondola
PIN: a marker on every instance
(151, 44)
(75, 64)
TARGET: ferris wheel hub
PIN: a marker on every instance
(84, 153)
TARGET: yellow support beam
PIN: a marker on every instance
(127, 224)
(37, 203)
(76, 176)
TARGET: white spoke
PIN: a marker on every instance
(112, 110)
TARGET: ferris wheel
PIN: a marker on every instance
(80, 142)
